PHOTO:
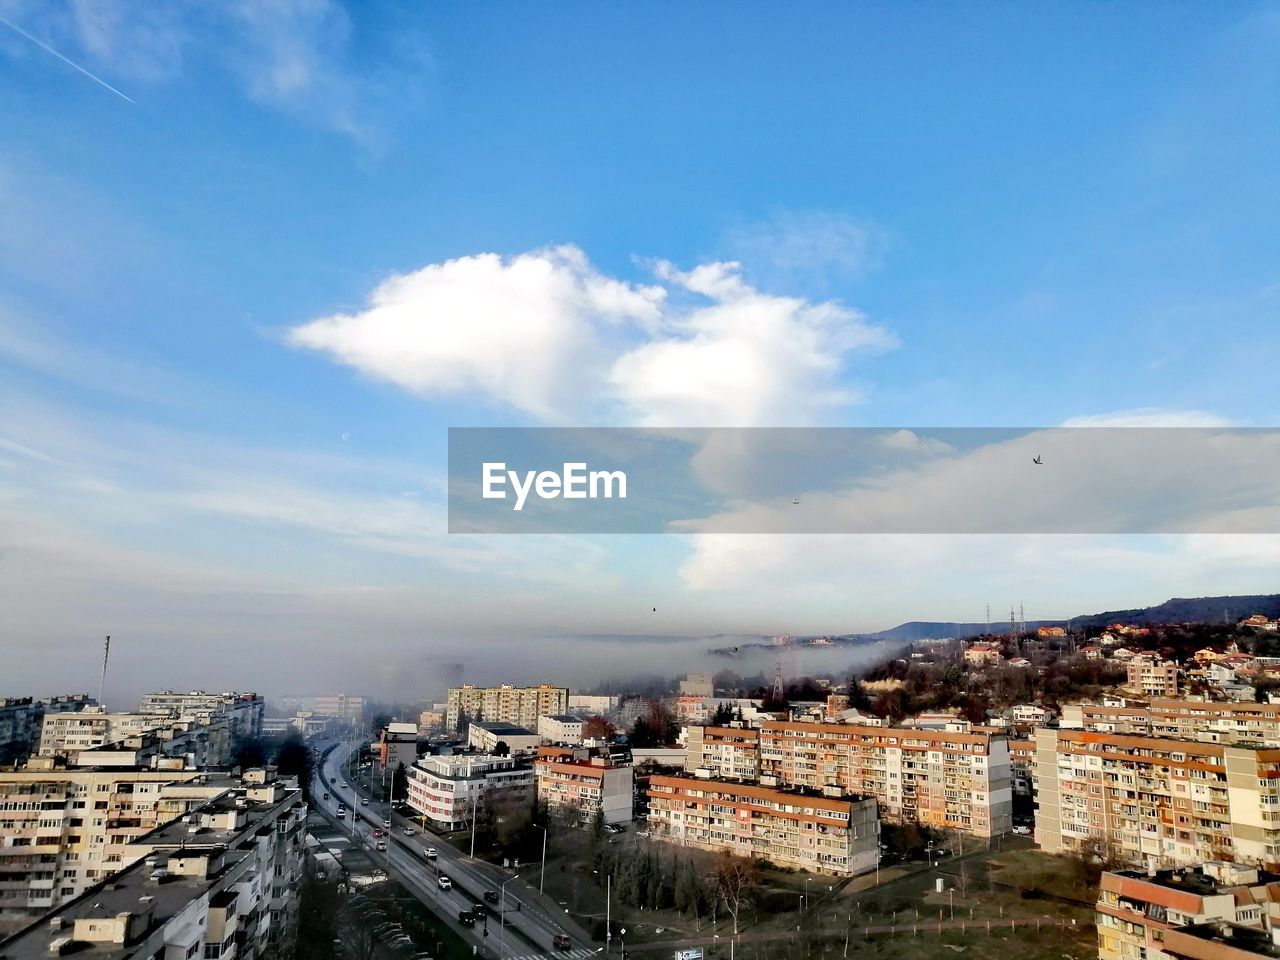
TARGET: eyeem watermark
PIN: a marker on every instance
(573, 482)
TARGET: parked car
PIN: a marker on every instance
(429, 853)
(1022, 831)
(444, 883)
(491, 896)
(466, 918)
(561, 941)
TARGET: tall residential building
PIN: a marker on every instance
(204, 742)
(793, 828)
(344, 706)
(449, 790)
(521, 706)
(585, 784)
(1137, 910)
(1180, 718)
(938, 778)
(218, 884)
(697, 685)
(21, 719)
(591, 703)
(1152, 677)
(1158, 802)
(243, 711)
(724, 753)
(63, 830)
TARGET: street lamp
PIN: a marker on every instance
(502, 913)
(542, 871)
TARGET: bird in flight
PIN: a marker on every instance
(1036, 459)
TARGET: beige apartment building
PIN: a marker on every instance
(63, 830)
(244, 712)
(832, 835)
(724, 753)
(1180, 718)
(521, 706)
(1153, 678)
(584, 784)
(1137, 910)
(939, 778)
(1157, 802)
(218, 884)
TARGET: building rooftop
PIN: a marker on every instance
(564, 718)
(1220, 941)
(505, 729)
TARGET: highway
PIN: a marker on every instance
(530, 925)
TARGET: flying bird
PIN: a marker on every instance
(1036, 459)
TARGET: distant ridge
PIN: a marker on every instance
(1175, 610)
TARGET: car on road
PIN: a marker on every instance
(429, 853)
(1022, 830)
(333, 779)
(364, 801)
(378, 833)
(326, 796)
(381, 846)
(409, 831)
(466, 918)
(345, 785)
(479, 909)
(342, 811)
(561, 941)
(491, 896)
(387, 824)
(444, 883)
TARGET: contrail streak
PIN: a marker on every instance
(71, 63)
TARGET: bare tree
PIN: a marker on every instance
(733, 880)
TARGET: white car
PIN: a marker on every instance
(364, 801)
(344, 784)
(429, 853)
(409, 831)
(444, 883)
(1022, 831)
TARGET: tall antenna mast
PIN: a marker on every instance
(988, 619)
(102, 681)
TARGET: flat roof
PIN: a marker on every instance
(503, 729)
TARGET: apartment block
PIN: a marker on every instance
(398, 745)
(21, 720)
(344, 706)
(1158, 802)
(1129, 718)
(449, 790)
(939, 778)
(244, 712)
(725, 753)
(219, 884)
(1153, 678)
(592, 703)
(1136, 911)
(63, 830)
(563, 728)
(832, 835)
(1222, 941)
(585, 784)
(521, 706)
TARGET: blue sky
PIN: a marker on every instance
(979, 215)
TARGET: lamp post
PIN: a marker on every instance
(502, 912)
(542, 871)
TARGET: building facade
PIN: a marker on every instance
(1153, 678)
(838, 836)
(939, 778)
(486, 736)
(724, 753)
(398, 745)
(583, 785)
(449, 791)
(1157, 802)
(562, 728)
(521, 706)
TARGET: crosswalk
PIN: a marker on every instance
(577, 953)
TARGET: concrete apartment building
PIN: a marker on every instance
(584, 784)
(1137, 910)
(344, 706)
(697, 685)
(1153, 678)
(398, 745)
(485, 737)
(938, 778)
(521, 706)
(592, 703)
(723, 753)
(562, 728)
(244, 712)
(217, 884)
(838, 836)
(21, 719)
(1157, 802)
(205, 742)
(62, 830)
(448, 790)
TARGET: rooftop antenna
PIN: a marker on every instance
(988, 619)
(102, 681)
